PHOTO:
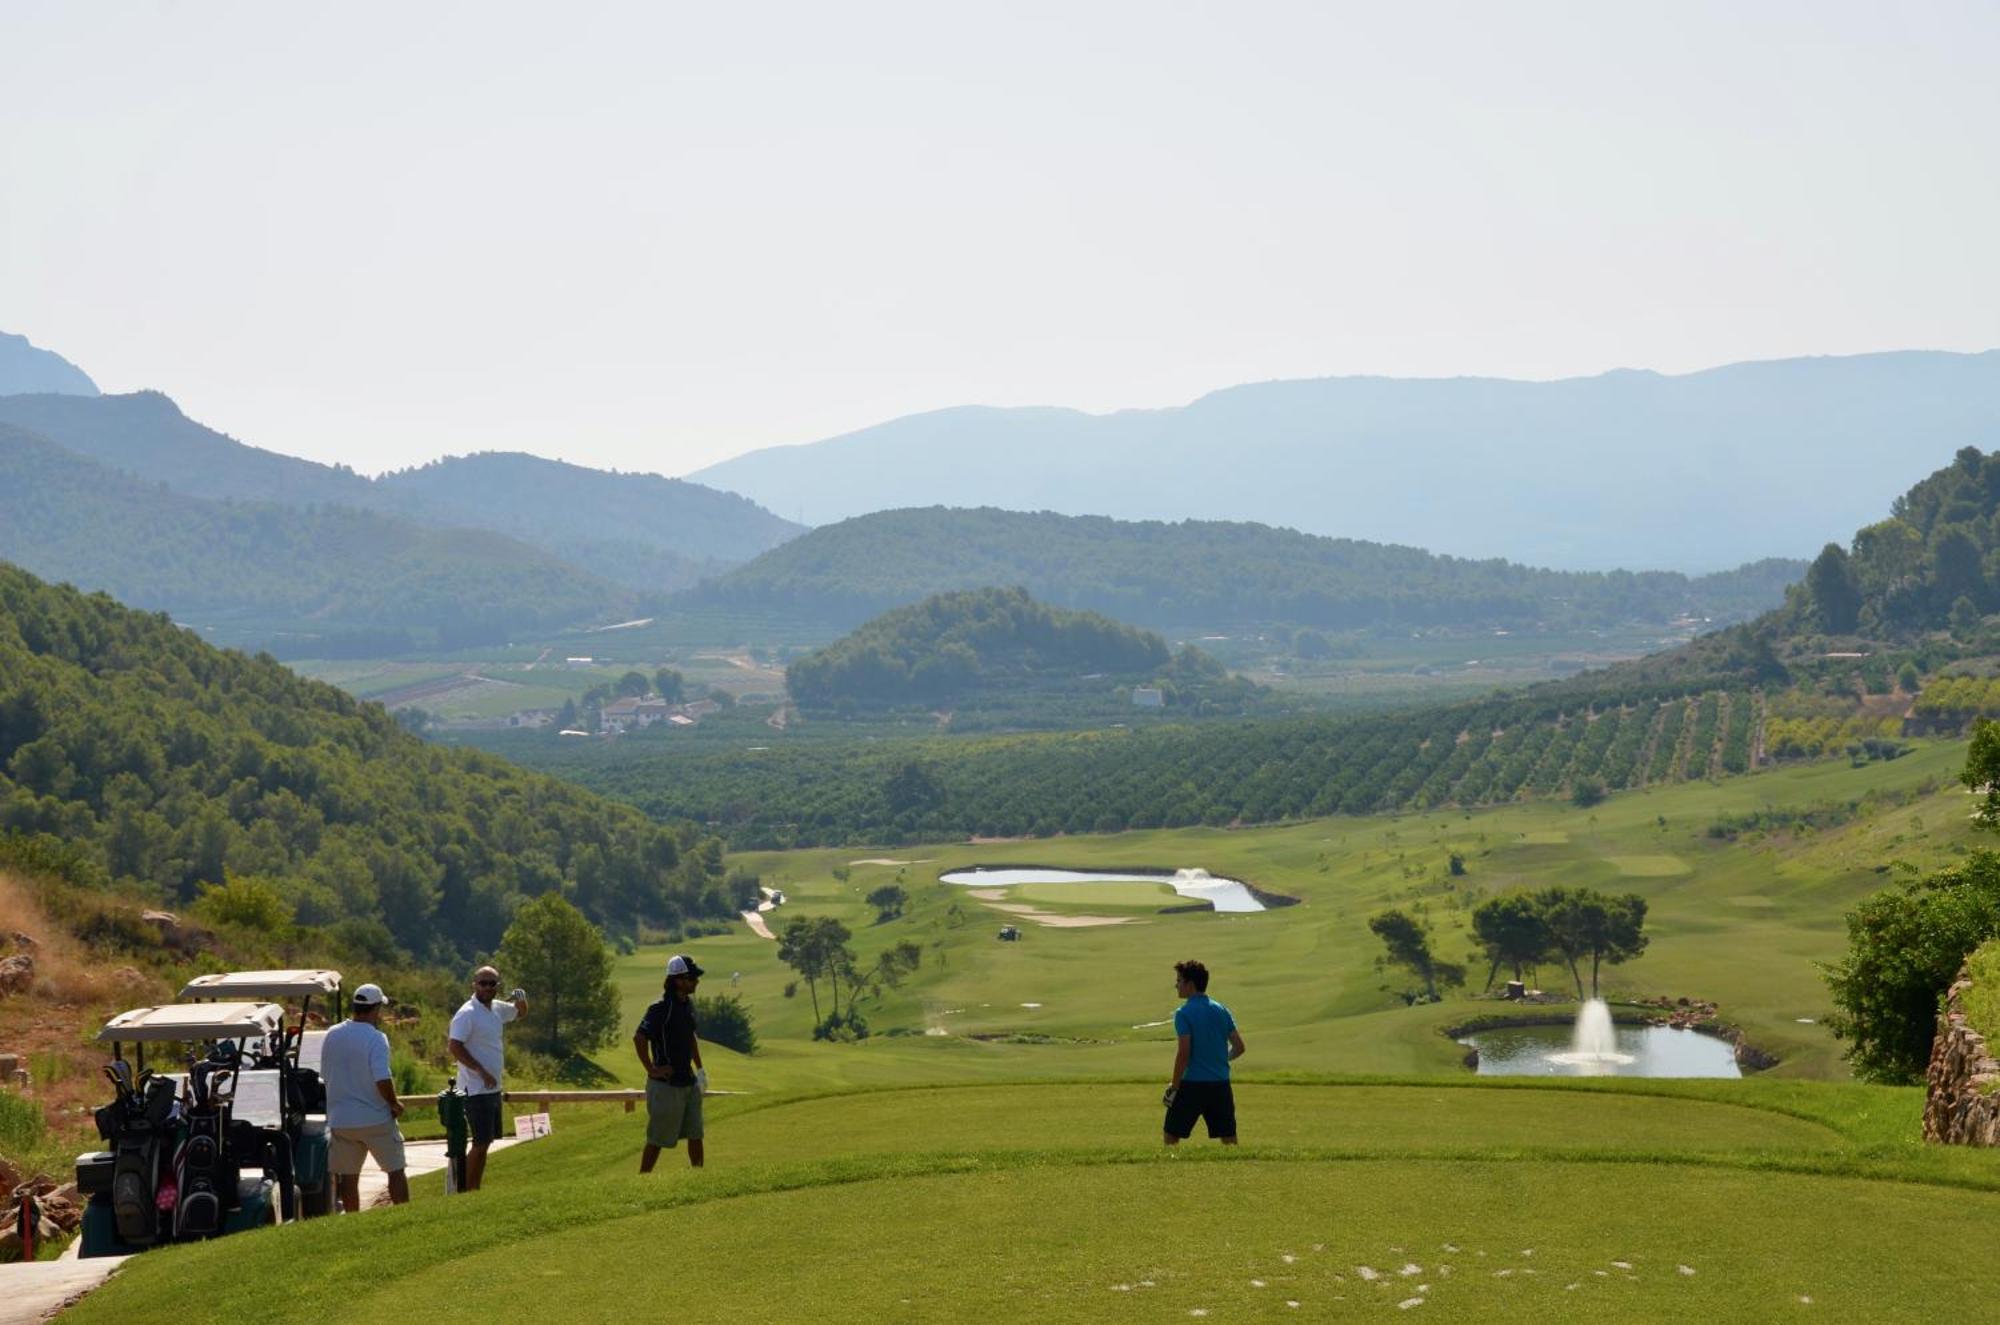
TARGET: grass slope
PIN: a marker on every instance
(851, 1182)
(1044, 1202)
(1741, 921)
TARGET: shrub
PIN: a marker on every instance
(844, 1027)
(724, 1020)
(1905, 946)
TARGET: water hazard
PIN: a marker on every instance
(1636, 1051)
(1194, 884)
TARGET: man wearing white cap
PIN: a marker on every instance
(670, 1052)
(361, 1104)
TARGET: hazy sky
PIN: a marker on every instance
(651, 236)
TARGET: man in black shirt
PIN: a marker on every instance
(671, 1055)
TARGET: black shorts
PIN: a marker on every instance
(1211, 1101)
(482, 1115)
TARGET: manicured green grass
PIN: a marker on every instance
(1097, 896)
(1020, 1203)
(992, 1152)
(1739, 920)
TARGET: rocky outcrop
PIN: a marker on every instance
(1962, 1105)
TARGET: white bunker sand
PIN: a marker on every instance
(1196, 884)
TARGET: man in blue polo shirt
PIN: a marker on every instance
(1209, 1042)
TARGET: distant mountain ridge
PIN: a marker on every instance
(26, 367)
(646, 533)
(1621, 469)
(1208, 573)
(327, 567)
(640, 530)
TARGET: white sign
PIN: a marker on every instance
(528, 1126)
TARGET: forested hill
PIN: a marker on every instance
(1903, 621)
(1933, 565)
(645, 532)
(164, 763)
(956, 646)
(1209, 573)
(326, 568)
(640, 530)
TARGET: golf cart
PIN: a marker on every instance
(195, 1154)
(294, 1056)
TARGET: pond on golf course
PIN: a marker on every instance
(1195, 884)
(1654, 1051)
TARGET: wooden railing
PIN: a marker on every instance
(628, 1098)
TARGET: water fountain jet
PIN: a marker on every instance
(1594, 1045)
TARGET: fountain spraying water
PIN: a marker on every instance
(1594, 1046)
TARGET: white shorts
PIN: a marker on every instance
(353, 1144)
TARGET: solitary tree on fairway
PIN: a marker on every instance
(1410, 947)
(558, 955)
(814, 947)
(888, 901)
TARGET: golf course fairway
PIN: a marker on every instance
(991, 1151)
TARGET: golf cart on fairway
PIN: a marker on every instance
(294, 1056)
(195, 1154)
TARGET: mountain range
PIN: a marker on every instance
(128, 494)
(1628, 468)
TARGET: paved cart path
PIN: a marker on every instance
(36, 1291)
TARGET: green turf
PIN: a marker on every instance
(1740, 920)
(1097, 896)
(1024, 1203)
(982, 1158)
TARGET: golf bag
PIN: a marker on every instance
(137, 1125)
(205, 1171)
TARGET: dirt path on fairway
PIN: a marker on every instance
(755, 920)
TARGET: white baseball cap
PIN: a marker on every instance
(370, 996)
(679, 965)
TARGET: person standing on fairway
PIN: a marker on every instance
(671, 1055)
(361, 1103)
(1209, 1042)
(475, 1044)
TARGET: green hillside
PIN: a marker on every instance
(150, 759)
(992, 1149)
(320, 570)
(1210, 573)
(1913, 595)
(992, 648)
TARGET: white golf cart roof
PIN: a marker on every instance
(263, 984)
(195, 1021)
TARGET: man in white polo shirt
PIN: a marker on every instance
(361, 1104)
(475, 1045)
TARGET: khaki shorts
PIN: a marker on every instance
(353, 1144)
(672, 1112)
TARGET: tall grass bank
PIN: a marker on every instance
(1962, 1105)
